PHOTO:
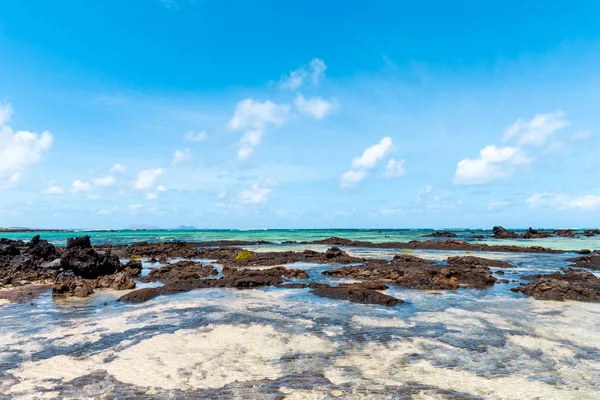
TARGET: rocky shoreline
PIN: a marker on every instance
(28, 269)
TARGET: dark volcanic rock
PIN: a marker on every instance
(233, 278)
(80, 242)
(499, 232)
(179, 272)
(357, 293)
(572, 285)
(587, 262)
(41, 249)
(22, 262)
(472, 261)
(415, 275)
(86, 262)
(441, 234)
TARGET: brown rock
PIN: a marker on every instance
(357, 294)
(572, 285)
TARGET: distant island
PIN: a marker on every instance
(185, 227)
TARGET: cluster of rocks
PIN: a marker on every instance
(22, 262)
(499, 232)
(417, 273)
(232, 278)
(75, 270)
(85, 269)
(332, 256)
(432, 245)
(572, 285)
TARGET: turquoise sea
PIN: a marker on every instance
(59, 238)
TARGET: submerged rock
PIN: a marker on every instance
(362, 293)
(24, 294)
(572, 285)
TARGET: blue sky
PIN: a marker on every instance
(261, 114)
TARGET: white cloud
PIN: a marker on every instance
(253, 117)
(255, 195)
(6, 113)
(249, 141)
(117, 168)
(563, 201)
(373, 154)
(315, 71)
(105, 181)
(151, 196)
(317, 68)
(493, 163)
(315, 107)
(53, 190)
(181, 156)
(147, 178)
(18, 150)
(104, 212)
(537, 130)
(394, 169)
(190, 136)
(222, 194)
(352, 178)
(498, 204)
(80, 186)
(251, 114)
(423, 194)
(369, 160)
(161, 188)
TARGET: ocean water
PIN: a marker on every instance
(300, 235)
(289, 344)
